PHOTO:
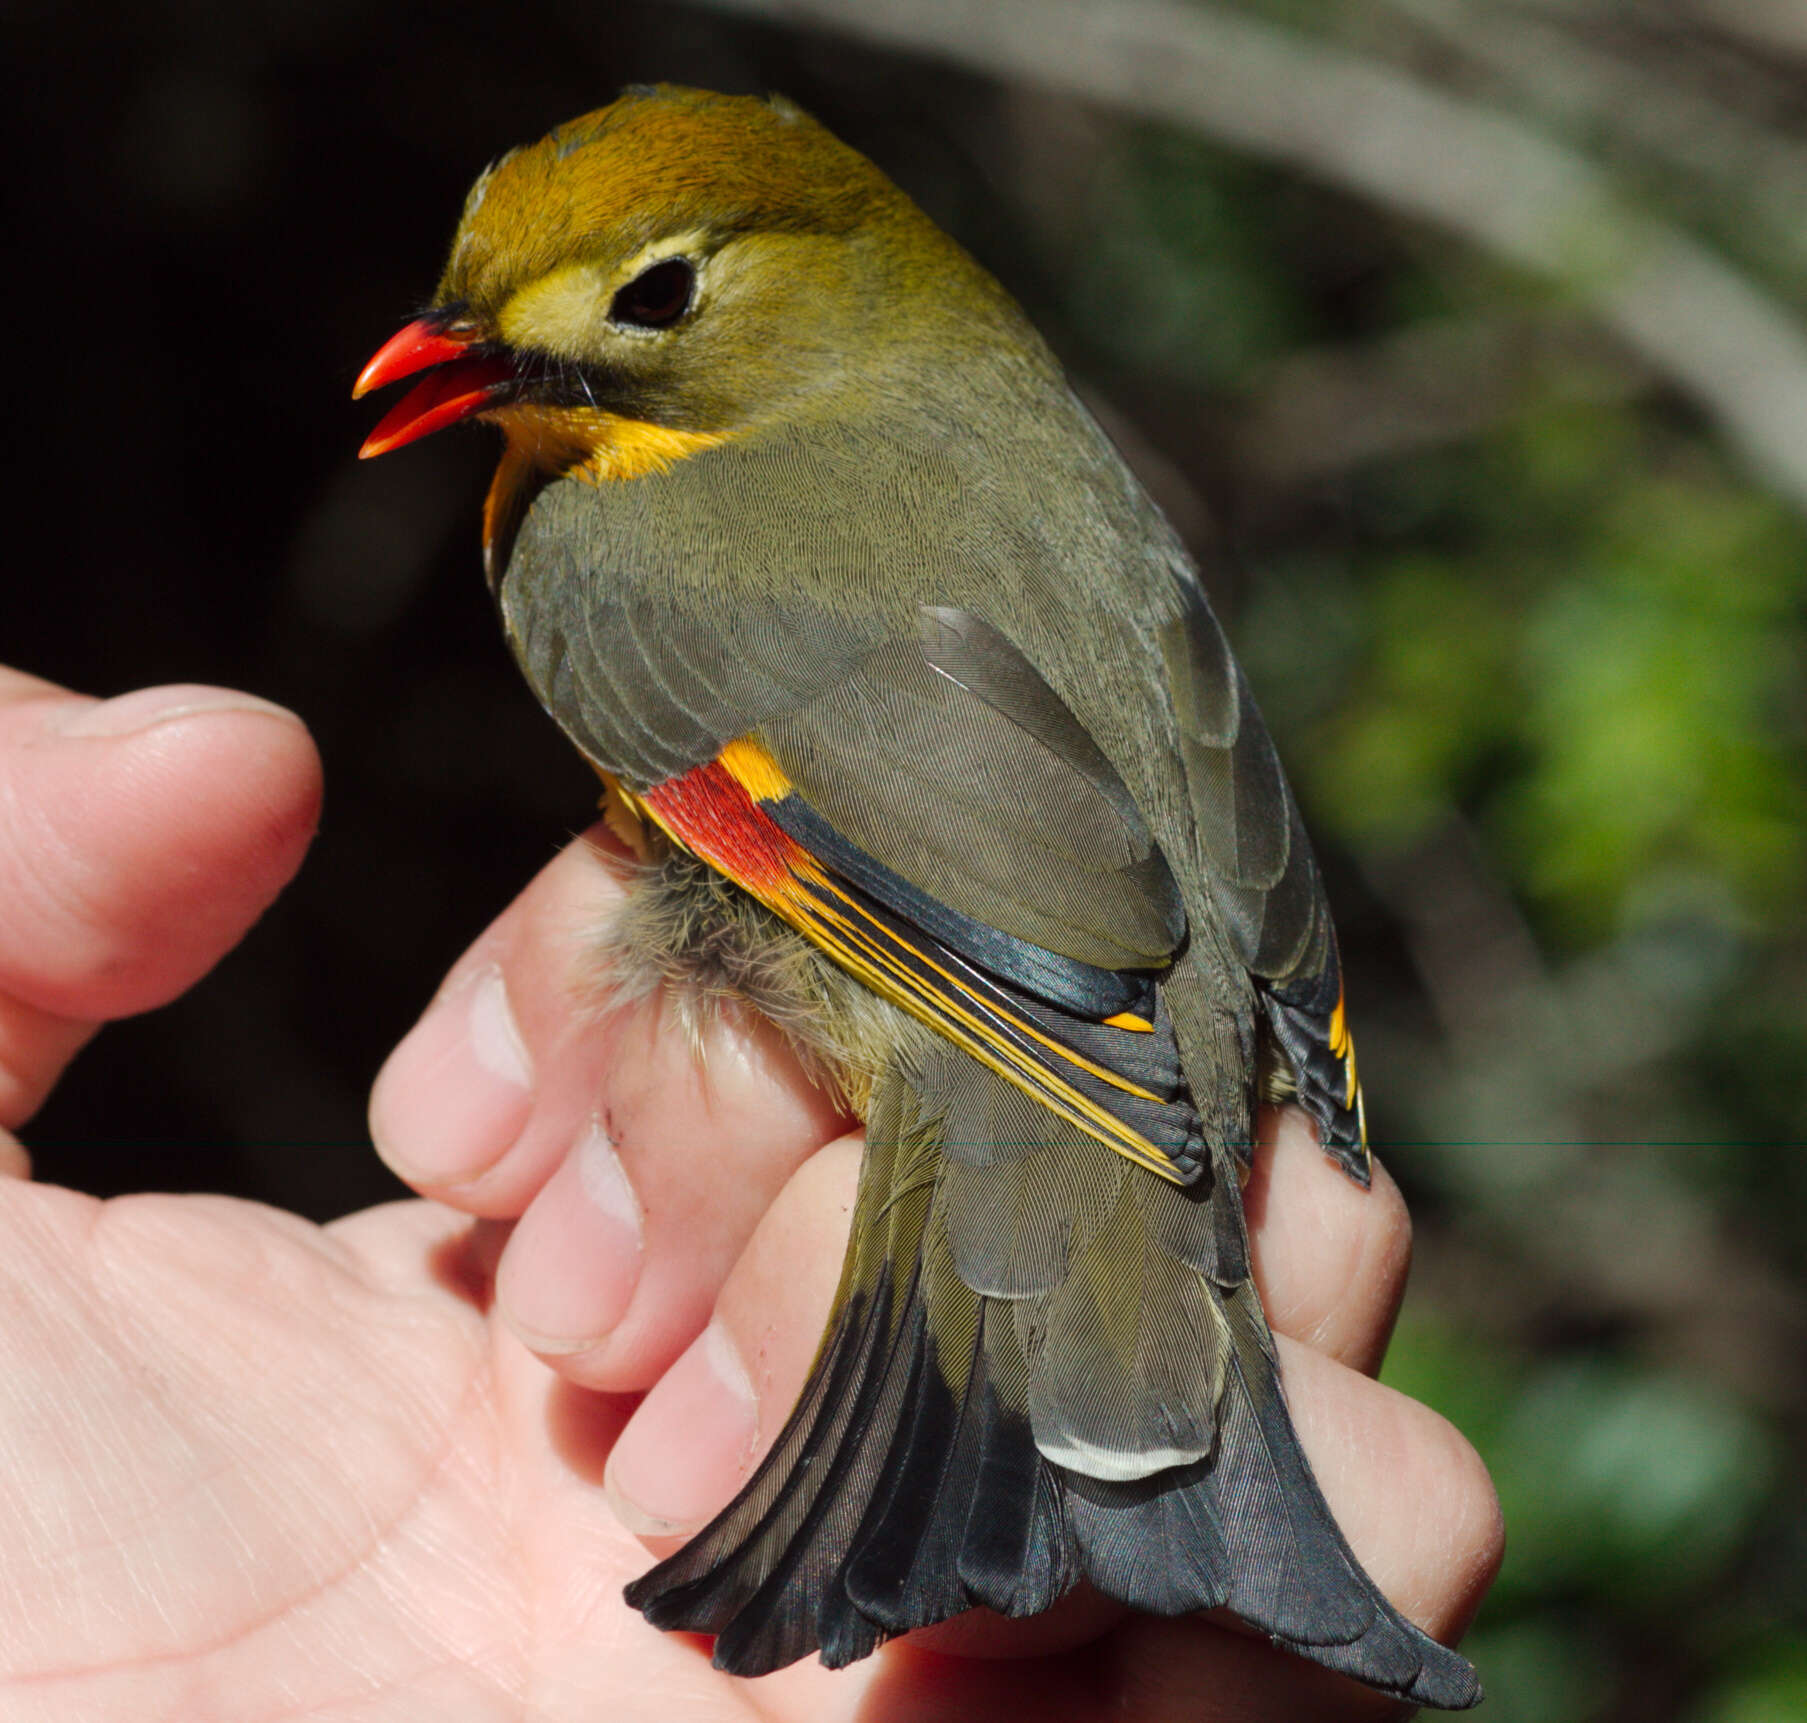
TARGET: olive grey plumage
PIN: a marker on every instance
(803, 539)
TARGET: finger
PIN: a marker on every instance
(1231, 1677)
(639, 1156)
(15, 1163)
(1411, 1496)
(1330, 1258)
(613, 1269)
(710, 1419)
(144, 836)
(513, 1023)
(35, 1046)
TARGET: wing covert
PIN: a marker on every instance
(951, 762)
(1035, 1017)
(1262, 875)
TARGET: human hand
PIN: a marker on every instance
(139, 838)
(677, 1229)
(250, 1466)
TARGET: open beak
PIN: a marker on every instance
(464, 380)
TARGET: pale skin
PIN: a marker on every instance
(395, 1468)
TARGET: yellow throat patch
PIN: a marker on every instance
(594, 445)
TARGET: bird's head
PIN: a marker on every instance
(668, 272)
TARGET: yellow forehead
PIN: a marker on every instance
(655, 162)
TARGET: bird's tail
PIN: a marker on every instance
(1043, 1364)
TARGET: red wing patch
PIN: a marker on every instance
(716, 812)
(711, 813)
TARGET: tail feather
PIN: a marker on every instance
(769, 1630)
(1013, 1209)
(908, 1484)
(1156, 1543)
(903, 1559)
(1015, 1226)
(715, 1582)
(1304, 1585)
(1018, 1556)
(1196, 1225)
(1300, 1580)
(1127, 1355)
(977, 1522)
(714, 1579)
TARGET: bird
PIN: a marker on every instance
(910, 704)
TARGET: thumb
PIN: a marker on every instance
(140, 838)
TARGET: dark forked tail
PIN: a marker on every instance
(1015, 1291)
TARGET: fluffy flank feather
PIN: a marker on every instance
(686, 928)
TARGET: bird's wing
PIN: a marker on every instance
(940, 823)
(1263, 879)
(932, 768)
(920, 804)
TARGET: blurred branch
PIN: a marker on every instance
(1774, 24)
(1750, 165)
(1476, 171)
(1537, 1053)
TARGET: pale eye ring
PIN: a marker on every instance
(657, 297)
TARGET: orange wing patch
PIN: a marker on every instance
(1342, 1047)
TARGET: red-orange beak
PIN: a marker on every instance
(463, 384)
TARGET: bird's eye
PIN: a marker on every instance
(657, 297)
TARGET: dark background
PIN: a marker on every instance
(1523, 605)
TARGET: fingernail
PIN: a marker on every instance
(146, 708)
(687, 1449)
(456, 1093)
(571, 1267)
(605, 1180)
